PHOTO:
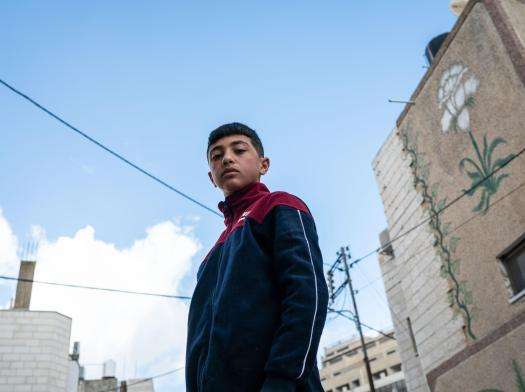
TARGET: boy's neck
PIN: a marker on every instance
(241, 190)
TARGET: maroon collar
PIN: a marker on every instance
(236, 203)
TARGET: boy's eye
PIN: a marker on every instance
(239, 151)
(214, 157)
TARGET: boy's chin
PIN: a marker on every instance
(234, 185)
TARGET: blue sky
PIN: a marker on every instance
(152, 79)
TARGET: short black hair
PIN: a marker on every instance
(235, 128)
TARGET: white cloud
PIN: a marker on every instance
(8, 248)
(130, 329)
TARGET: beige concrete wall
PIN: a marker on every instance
(515, 11)
(438, 333)
(414, 376)
(473, 93)
(491, 368)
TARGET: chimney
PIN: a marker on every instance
(123, 386)
(25, 285)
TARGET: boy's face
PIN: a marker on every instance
(235, 163)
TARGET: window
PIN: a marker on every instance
(334, 360)
(396, 368)
(370, 344)
(372, 359)
(344, 387)
(398, 386)
(379, 374)
(513, 259)
(390, 352)
(351, 353)
(356, 383)
(342, 349)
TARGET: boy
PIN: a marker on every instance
(259, 307)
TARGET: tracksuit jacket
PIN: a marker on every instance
(260, 303)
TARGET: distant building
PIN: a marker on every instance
(34, 350)
(343, 368)
(455, 272)
(34, 346)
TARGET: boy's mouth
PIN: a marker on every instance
(229, 171)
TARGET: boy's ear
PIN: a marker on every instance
(265, 166)
(211, 179)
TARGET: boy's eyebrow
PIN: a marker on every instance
(234, 143)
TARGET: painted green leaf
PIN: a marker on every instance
(452, 244)
(454, 266)
(520, 380)
(502, 161)
(496, 142)
(467, 297)
(441, 204)
(475, 176)
(443, 272)
(485, 147)
(464, 161)
(482, 201)
(434, 189)
(470, 101)
(499, 179)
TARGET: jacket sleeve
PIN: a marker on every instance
(304, 297)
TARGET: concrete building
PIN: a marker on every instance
(34, 346)
(456, 282)
(34, 350)
(343, 368)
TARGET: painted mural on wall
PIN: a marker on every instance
(456, 97)
(519, 379)
(445, 243)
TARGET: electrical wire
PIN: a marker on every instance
(76, 286)
(109, 150)
(422, 249)
(454, 201)
(144, 380)
(352, 318)
(466, 221)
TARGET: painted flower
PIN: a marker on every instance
(455, 96)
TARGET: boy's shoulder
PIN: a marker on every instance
(265, 205)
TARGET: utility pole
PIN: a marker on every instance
(357, 321)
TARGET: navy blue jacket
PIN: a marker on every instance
(259, 307)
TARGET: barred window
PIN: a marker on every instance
(513, 259)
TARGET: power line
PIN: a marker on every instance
(95, 288)
(352, 318)
(455, 200)
(109, 150)
(468, 220)
(144, 380)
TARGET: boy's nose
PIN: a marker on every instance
(227, 159)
